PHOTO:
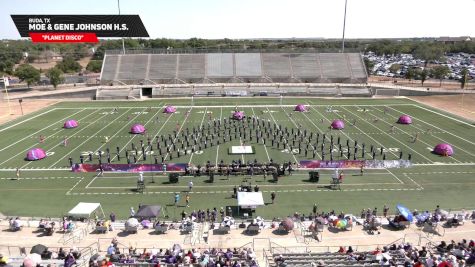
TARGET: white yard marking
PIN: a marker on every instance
(87, 139)
(348, 135)
(392, 138)
(34, 117)
(432, 134)
(23, 151)
(201, 125)
(128, 142)
(418, 185)
(217, 148)
(42, 129)
(436, 126)
(265, 147)
(275, 122)
(179, 130)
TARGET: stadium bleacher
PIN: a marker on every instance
(235, 67)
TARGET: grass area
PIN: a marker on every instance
(48, 188)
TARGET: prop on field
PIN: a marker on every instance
(300, 108)
(238, 115)
(70, 124)
(137, 129)
(169, 167)
(444, 150)
(354, 164)
(338, 125)
(35, 154)
(404, 119)
(169, 109)
(288, 224)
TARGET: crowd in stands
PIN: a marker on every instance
(404, 254)
(176, 256)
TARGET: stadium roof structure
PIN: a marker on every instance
(209, 68)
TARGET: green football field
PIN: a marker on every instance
(48, 187)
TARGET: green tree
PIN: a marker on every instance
(395, 68)
(464, 78)
(69, 65)
(94, 66)
(422, 74)
(439, 72)
(28, 73)
(428, 52)
(55, 76)
(410, 74)
(369, 65)
(6, 66)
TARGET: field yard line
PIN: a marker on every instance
(23, 151)
(36, 170)
(217, 148)
(71, 189)
(87, 139)
(395, 176)
(18, 123)
(440, 114)
(275, 122)
(395, 117)
(125, 146)
(444, 164)
(159, 130)
(155, 135)
(345, 134)
(436, 126)
(87, 186)
(179, 130)
(247, 106)
(403, 132)
(267, 153)
(407, 176)
(227, 186)
(348, 174)
(201, 125)
(320, 132)
(42, 129)
(389, 136)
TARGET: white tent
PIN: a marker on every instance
(250, 199)
(84, 210)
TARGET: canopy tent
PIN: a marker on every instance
(84, 210)
(148, 211)
(249, 200)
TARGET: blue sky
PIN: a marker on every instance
(268, 18)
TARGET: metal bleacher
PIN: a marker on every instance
(202, 68)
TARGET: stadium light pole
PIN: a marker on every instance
(123, 45)
(344, 25)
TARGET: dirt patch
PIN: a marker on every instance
(461, 105)
(14, 111)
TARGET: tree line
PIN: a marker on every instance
(12, 52)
